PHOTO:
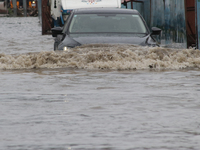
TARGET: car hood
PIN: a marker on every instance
(109, 39)
(77, 40)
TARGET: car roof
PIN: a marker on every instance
(105, 10)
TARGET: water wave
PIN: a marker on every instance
(99, 56)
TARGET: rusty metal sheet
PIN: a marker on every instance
(190, 22)
(46, 18)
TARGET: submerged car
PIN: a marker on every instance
(103, 26)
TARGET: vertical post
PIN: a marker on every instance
(44, 5)
(198, 23)
(46, 17)
(39, 4)
(15, 7)
(131, 4)
(167, 21)
(25, 8)
(150, 14)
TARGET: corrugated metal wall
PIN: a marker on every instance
(169, 15)
(198, 22)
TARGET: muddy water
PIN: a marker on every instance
(95, 97)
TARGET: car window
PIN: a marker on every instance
(67, 23)
(112, 23)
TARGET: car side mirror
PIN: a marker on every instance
(57, 30)
(155, 31)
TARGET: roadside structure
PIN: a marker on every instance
(179, 20)
(22, 7)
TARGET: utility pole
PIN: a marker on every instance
(25, 8)
(15, 7)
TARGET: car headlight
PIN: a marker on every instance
(65, 48)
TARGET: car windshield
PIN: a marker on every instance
(107, 23)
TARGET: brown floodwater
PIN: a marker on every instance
(95, 97)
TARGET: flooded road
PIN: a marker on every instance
(95, 97)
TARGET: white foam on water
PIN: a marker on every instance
(101, 56)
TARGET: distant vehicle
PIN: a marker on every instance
(104, 25)
(60, 9)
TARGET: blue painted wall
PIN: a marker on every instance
(169, 15)
(198, 22)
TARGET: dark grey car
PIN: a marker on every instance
(105, 26)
